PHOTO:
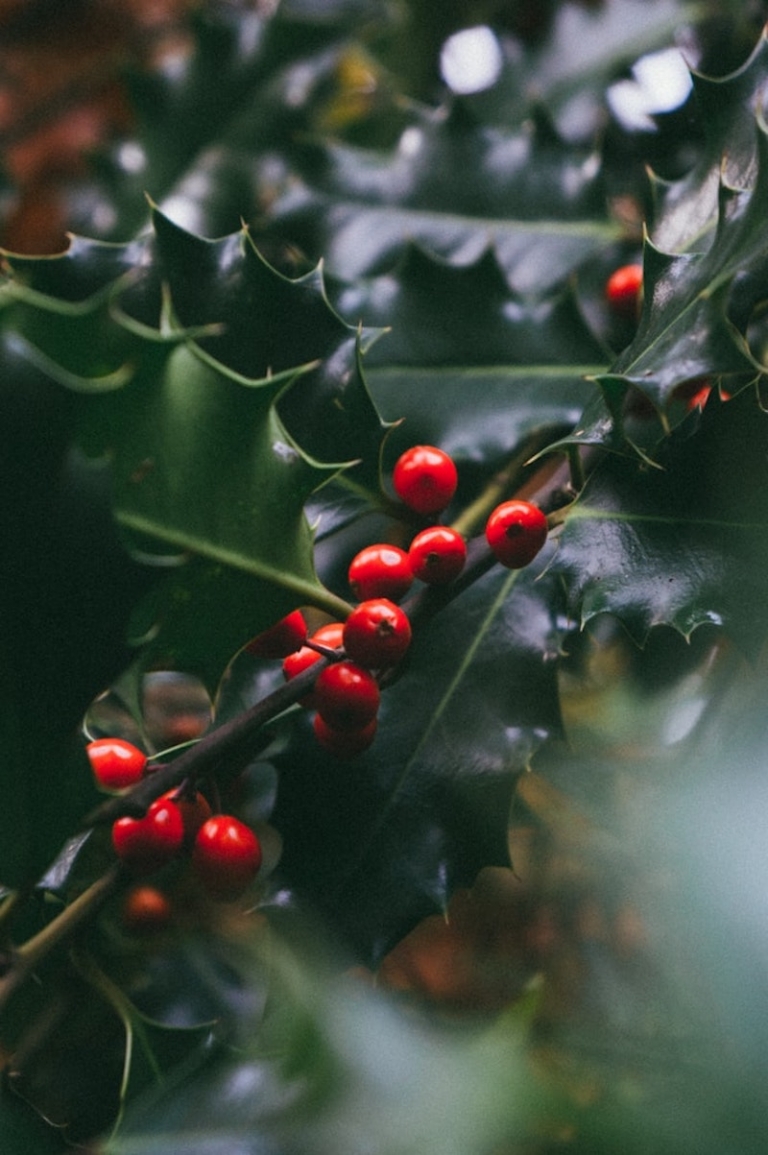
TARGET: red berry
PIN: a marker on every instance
(380, 571)
(285, 637)
(226, 857)
(194, 812)
(146, 910)
(695, 393)
(115, 763)
(623, 290)
(330, 635)
(425, 479)
(346, 696)
(297, 663)
(344, 743)
(516, 531)
(146, 843)
(437, 554)
(377, 633)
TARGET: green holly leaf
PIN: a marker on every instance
(173, 430)
(78, 276)
(684, 330)
(688, 209)
(504, 367)
(455, 186)
(658, 546)
(691, 303)
(266, 324)
(445, 314)
(202, 466)
(57, 311)
(377, 843)
(484, 413)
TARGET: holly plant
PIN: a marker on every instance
(385, 530)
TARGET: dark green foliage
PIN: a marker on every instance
(682, 542)
(384, 842)
(197, 423)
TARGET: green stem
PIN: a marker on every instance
(374, 498)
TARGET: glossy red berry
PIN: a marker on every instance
(695, 394)
(346, 696)
(623, 290)
(285, 637)
(116, 764)
(377, 633)
(297, 663)
(194, 809)
(516, 531)
(344, 743)
(146, 910)
(425, 479)
(380, 571)
(147, 843)
(226, 857)
(437, 555)
(330, 635)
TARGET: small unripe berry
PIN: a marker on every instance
(425, 479)
(516, 531)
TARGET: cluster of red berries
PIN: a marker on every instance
(346, 695)
(224, 852)
(377, 633)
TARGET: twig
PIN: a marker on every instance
(233, 743)
(34, 950)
